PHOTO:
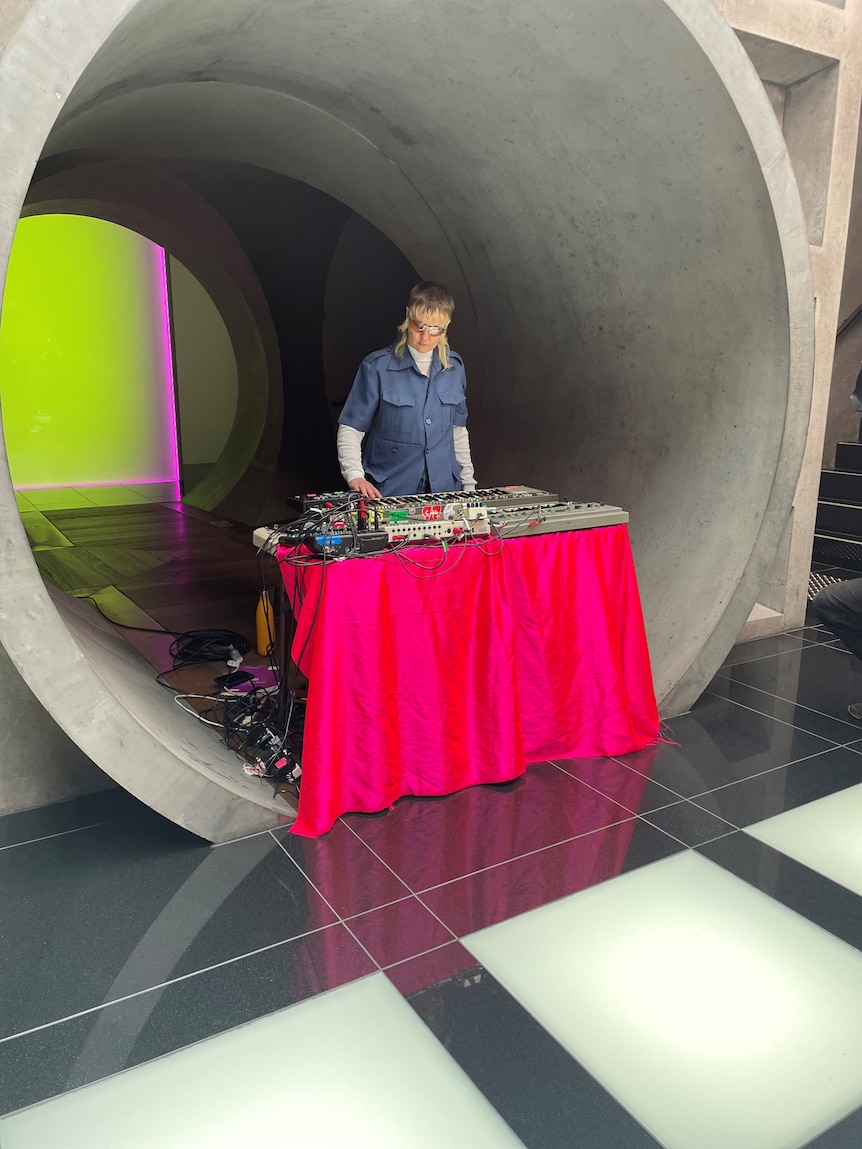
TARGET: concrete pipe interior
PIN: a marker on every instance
(606, 191)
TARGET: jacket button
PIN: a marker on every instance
(427, 452)
(394, 450)
(427, 420)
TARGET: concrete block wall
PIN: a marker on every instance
(810, 51)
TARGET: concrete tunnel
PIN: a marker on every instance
(604, 187)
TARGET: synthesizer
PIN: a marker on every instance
(513, 496)
(342, 523)
(546, 518)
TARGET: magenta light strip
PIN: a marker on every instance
(168, 353)
(98, 483)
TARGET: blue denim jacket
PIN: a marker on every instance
(408, 420)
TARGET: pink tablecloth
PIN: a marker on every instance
(423, 681)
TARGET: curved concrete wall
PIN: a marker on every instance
(604, 187)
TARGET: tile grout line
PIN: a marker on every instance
(437, 918)
(360, 913)
(528, 854)
(793, 702)
(244, 838)
(674, 797)
(760, 657)
(413, 893)
(783, 721)
(644, 815)
(162, 985)
(505, 861)
(732, 830)
(64, 833)
(374, 854)
(382, 906)
(679, 797)
(326, 901)
(769, 770)
(362, 842)
(403, 961)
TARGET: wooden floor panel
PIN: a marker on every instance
(182, 581)
(42, 532)
(236, 613)
(129, 562)
(168, 565)
(136, 627)
(157, 571)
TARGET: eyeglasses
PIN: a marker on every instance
(432, 329)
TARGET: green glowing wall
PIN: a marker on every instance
(85, 372)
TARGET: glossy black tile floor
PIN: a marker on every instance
(123, 938)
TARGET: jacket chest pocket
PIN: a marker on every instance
(397, 417)
(452, 402)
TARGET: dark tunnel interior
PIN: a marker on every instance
(335, 288)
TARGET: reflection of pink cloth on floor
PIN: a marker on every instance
(423, 682)
(501, 852)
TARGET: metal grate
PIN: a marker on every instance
(818, 582)
(838, 551)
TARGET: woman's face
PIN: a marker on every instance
(423, 340)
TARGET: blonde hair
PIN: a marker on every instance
(430, 303)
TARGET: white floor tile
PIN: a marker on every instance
(823, 835)
(716, 1016)
(351, 1069)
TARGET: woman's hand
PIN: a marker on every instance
(364, 488)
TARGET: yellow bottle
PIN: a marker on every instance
(265, 624)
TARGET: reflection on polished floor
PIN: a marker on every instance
(658, 950)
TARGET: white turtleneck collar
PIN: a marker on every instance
(422, 359)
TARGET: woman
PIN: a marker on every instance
(403, 429)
